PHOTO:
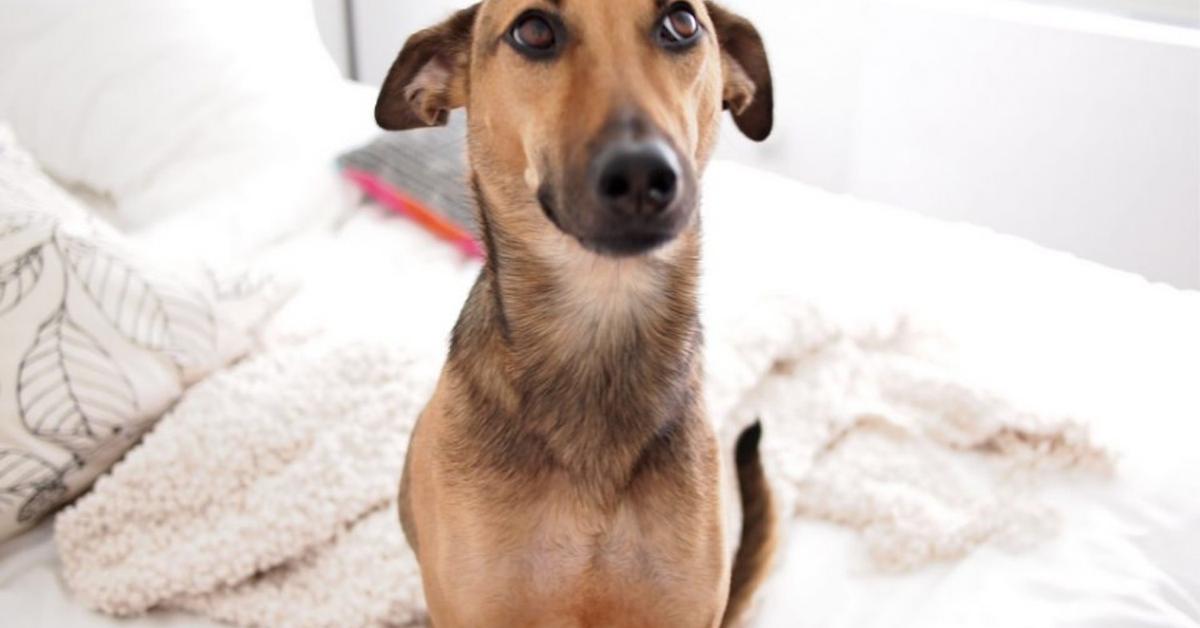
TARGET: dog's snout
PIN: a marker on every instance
(637, 178)
(629, 189)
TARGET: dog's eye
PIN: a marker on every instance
(533, 35)
(679, 28)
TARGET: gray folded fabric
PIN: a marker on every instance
(428, 165)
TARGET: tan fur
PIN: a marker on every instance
(564, 473)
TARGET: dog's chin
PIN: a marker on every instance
(617, 241)
(626, 245)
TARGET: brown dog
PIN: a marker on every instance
(564, 473)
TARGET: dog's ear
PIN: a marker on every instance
(429, 77)
(747, 93)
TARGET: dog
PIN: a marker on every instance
(564, 473)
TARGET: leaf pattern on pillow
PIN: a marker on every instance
(30, 481)
(151, 313)
(18, 277)
(14, 222)
(70, 390)
(83, 318)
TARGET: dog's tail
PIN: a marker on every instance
(757, 544)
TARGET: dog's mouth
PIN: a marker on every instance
(545, 199)
(612, 236)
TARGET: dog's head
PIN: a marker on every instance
(592, 118)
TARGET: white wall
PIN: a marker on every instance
(331, 22)
(1078, 131)
(1084, 142)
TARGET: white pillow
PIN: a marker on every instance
(95, 341)
(159, 106)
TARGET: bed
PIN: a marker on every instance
(1107, 347)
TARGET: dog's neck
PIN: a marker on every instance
(578, 361)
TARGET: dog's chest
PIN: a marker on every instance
(589, 568)
(584, 548)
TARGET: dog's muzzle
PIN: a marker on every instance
(632, 194)
(638, 189)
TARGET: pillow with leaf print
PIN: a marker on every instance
(95, 341)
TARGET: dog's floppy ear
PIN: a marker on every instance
(747, 93)
(429, 77)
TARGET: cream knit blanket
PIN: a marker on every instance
(267, 495)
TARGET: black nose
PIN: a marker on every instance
(638, 178)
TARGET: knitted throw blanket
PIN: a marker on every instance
(267, 495)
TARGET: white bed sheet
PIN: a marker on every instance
(1119, 561)
(1119, 351)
